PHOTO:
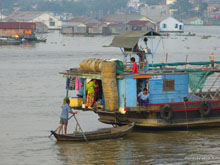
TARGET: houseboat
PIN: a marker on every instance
(177, 97)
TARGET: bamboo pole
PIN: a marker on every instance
(59, 126)
(81, 129)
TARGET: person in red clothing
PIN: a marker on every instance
(134, 65)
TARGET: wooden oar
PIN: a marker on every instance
(81, 129)
(59, 126)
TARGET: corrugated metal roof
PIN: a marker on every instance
(24, 16)
(121, 18)
(17, 25)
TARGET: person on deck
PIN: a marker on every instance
(134, 66)
(143, 98)
(212, 59)
(90, 87)
(65, 115)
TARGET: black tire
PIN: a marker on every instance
(167, 116)
(203, 112)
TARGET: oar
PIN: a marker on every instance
(81, 129)
(59, 126)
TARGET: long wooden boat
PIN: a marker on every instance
(106, 133)
(9, 41)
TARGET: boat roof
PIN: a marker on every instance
(129, 39)
(78, 72)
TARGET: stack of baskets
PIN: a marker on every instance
(109, 85)
(92, 65)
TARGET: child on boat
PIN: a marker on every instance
(143, 98)
(134, 66)
(65, 115)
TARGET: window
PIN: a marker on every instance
(181, 27)
(176, 26)
(168, 85)
(52, 23)
(164, 26)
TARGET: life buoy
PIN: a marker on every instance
(205, 108)
(166, 113)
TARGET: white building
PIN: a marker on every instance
(171, 25)
(134, 3)
(2, 16)
(157, 13)
(50, 21)
(170, 2)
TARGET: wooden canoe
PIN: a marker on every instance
(106, 133)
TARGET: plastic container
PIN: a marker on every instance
(76, 102)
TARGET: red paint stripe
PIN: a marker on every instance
(191, 109)
(188, 102)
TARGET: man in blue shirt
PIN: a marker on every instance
(143, 98)
(65, 115)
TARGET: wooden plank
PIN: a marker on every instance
(142, 76)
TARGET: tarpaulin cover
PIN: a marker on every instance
(129, 39)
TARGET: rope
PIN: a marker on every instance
(195, 89)
(214, 82)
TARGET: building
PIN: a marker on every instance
(95, 28)
(2, 16)
(171, 25)
(157, 13)
(137, 25)
(170, 2)
(196, 21)
(84, 20)
(213, 11)
(73, 28)
(43, 17)
(135, 4)
(123, 18)
(117, 28)
(18, 29)
(41, 27)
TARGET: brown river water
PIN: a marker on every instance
(31, 93)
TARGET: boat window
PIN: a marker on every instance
(181, 27)
(168, 85)
(176, 26)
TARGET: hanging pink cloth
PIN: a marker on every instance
(78, 84)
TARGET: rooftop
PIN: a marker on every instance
(24, 16)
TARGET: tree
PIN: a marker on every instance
(182, 8)
(152, 2)
(202, 7)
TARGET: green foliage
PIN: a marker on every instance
(182, 8)
(82, 7)
(206, 37)
(152, 2)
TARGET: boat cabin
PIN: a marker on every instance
(162, 87)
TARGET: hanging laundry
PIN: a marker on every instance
(72, 83)
(67, 82)
(77, 84)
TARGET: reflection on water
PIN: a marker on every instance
(149, 147)
(31, 92)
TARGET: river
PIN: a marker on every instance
(32, 90)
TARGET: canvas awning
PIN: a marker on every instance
(129, 39)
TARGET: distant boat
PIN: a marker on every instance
(4, 40)
(106, 133)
